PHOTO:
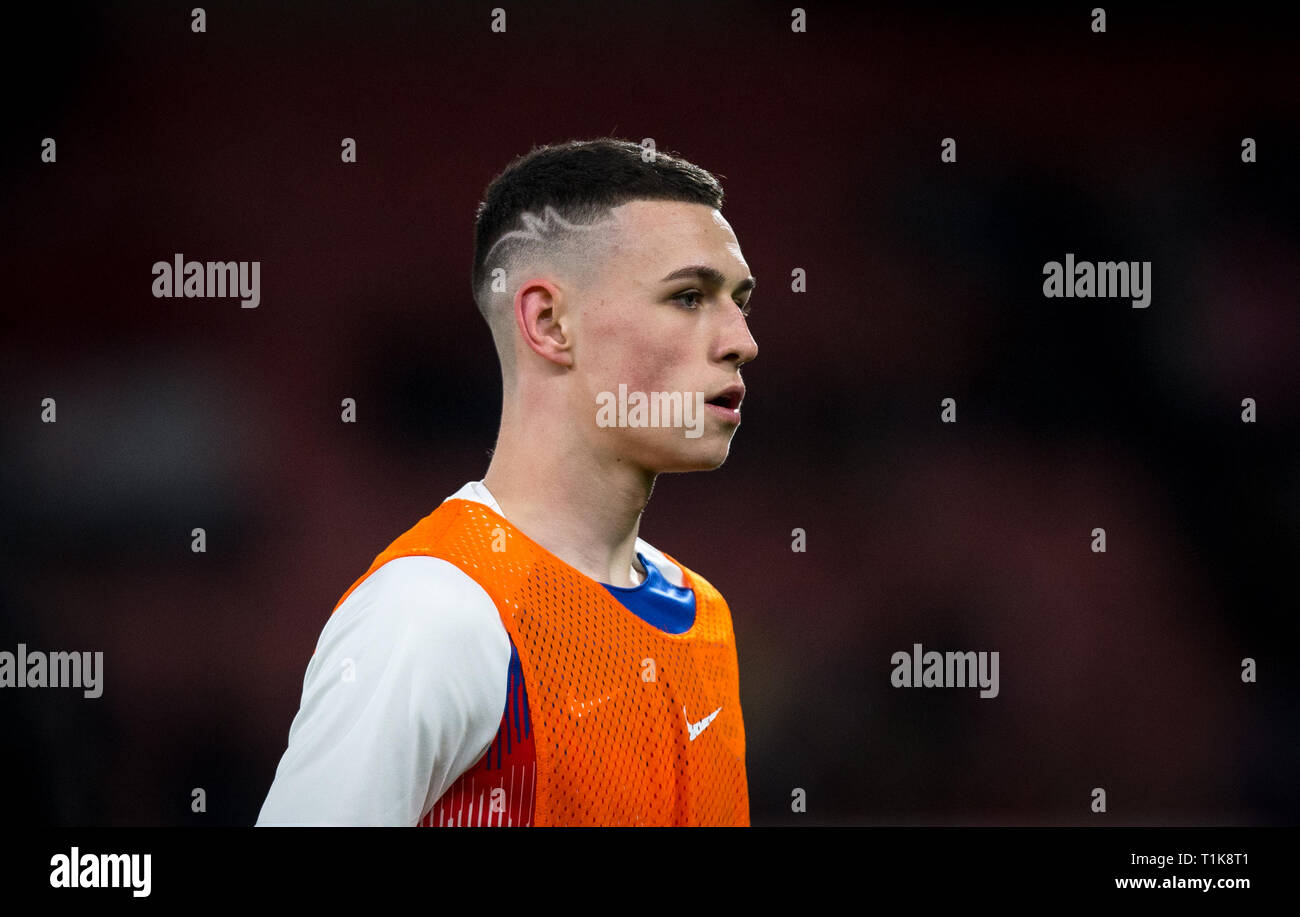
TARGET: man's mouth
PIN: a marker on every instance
(729, 398)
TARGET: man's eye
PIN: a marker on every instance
(691, 295)
(744, 308)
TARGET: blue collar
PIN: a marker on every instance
(657, 601)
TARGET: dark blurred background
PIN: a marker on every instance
(1118, 670)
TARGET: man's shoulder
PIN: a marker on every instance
(418, 581)
(420, 593)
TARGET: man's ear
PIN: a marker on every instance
(542, 317)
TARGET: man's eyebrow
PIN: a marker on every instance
(709, 276)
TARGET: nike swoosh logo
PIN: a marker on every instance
(694, 729)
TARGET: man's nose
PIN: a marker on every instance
(736, 342)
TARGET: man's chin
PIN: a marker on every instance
(676, 452)
(695, 460)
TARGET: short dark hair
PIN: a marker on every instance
(581, 180)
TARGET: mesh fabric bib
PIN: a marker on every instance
(633, 725)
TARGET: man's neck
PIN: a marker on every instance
(561, 498)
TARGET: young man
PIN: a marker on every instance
(617, 297)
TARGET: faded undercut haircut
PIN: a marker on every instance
(547, 204)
